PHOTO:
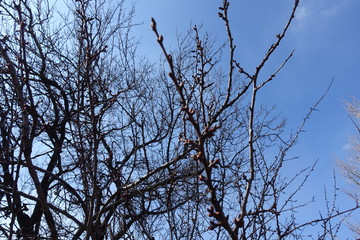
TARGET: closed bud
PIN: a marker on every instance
(184, 108)
(211, 227)
(192, 111)
(171, 75)
(153, 24)
(211, 208)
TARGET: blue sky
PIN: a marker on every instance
(326, 38)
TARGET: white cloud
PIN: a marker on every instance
(302, 13)
(332, 11)
(302, 17)
(346, 147)
(317, 12)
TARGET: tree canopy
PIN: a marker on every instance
(98, 143)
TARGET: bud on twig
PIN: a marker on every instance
(153, 24)
(169, 57)
(211, 211)
(213, 163)
(239, 222)
(211, 227)
(192, 111)
(202, 178)
(171, 75)
(197, 156)
(211, 132)
(184, 108)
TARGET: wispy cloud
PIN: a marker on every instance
(346, 147)
(310, 12)
(302, 17)
(332, 11)
(302, 13)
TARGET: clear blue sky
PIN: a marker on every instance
(326, 37)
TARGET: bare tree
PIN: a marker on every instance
(234, 137)
(351, 166)
(97, 143)
(88, 147)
